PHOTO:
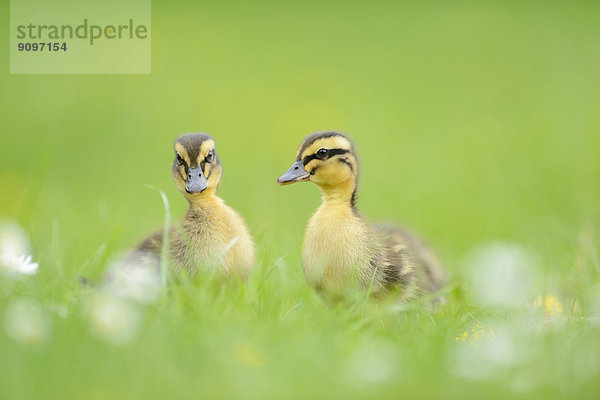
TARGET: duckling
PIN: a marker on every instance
(212, 235)
(341, 251)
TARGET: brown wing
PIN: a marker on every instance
(410, 262)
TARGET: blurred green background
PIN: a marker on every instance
(474, 122)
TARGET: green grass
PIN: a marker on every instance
(475, 122)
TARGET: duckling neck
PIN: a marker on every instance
(206, 199)
(342, 194)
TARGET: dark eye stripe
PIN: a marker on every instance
(345, 161)
(330, 153)
(180, 162)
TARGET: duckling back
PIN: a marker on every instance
(406, 261)
(342, 253)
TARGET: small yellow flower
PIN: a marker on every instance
(475, 334)
(551, 305)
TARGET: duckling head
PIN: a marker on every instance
(196, 168)
(328, 160)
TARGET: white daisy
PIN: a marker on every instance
(113, 319)
(502, 274)
(18, 264)
(15, 249)
(27, 323)
(135, 277)
(13, 239)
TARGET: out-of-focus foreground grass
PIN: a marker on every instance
(477, 124)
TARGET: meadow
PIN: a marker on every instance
(477, 125)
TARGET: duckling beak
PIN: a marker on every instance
(196, 181)
(296, 173)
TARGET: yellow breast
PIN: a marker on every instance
(336, 250)
(219, 239)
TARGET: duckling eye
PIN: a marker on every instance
(322, 153)
(179, 160)
(210, 156)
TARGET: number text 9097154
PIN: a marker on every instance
(43, 46)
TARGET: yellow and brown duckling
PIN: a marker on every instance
(341, 251)
(212, 235)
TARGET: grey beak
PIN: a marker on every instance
(296, 173)
(196, 181)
